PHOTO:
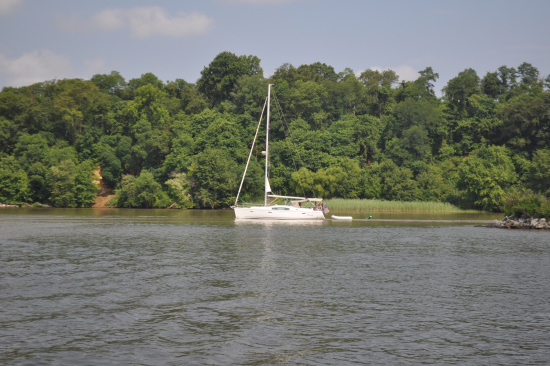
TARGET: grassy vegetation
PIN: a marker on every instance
(527, 204)
(365, 205)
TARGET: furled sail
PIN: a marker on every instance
(267, 186)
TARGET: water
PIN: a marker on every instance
(160, 287)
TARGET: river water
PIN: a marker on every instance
(163, 287)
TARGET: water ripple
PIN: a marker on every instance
(208, 291)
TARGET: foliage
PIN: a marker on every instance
(484, 176)
(141, 192)
(538, 173)
(222, 74)
(343, 135)
(213, 178)
(179, 191)
(71, 185)
(14, 182)
(527, 204)
(370, 205)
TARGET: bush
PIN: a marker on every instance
(141, 192)
(527, 204)
(14, 183)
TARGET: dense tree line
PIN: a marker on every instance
(340, 135)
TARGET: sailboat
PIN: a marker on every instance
(291, 207)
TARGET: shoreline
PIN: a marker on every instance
(511, 222)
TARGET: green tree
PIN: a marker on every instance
(308, 99)
(351, 94)
(481, 126)
(527, 204)
(529, 76)
(316, 72)
(432, 186)
(397, 183)
(372, 182)
(213, 178)
(111, 167)
(368, 136)
(141, 192)
(459, 89)
(379, 93)
(8, 135)
(416, 118)
(221, 132)
(249, 95)
(220, 77)
(183, 146)
(538, 175)
(71, 185)
(149, 121)
(144, 80)
(77, 107)
(343, 137)
(421, 88)
(179, 190)
(343, 180)
(508, 81)
(85, 187)
(113, 153)
(526, 122)
(30, 149)
(39, 191)
(60, 151)
(346, 181)
(490, 85)
(304, 180)
(112, 83)
(61, 181)
(285, 75)
(190, 100)
(484, 177)
(14, 183)
(303, 147)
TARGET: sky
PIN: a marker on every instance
(44, 40)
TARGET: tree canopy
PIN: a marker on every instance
(341, 134)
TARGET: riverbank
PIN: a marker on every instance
(511, 222)
(370, 205)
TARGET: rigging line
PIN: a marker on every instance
(250, 153)
(286, 128)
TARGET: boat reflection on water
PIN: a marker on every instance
(268, 222)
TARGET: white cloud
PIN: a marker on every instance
(7, 7)
(95, 66)
(406, 73)
(143, 22)
(258, 1)
(109, 20)
(34, 67)
(43, 65)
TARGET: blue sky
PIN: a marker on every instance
(56, 39)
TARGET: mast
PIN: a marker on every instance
(267, 187)
(250, 154)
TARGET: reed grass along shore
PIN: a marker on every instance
(364, 205)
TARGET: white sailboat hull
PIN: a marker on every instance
(278, 212)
